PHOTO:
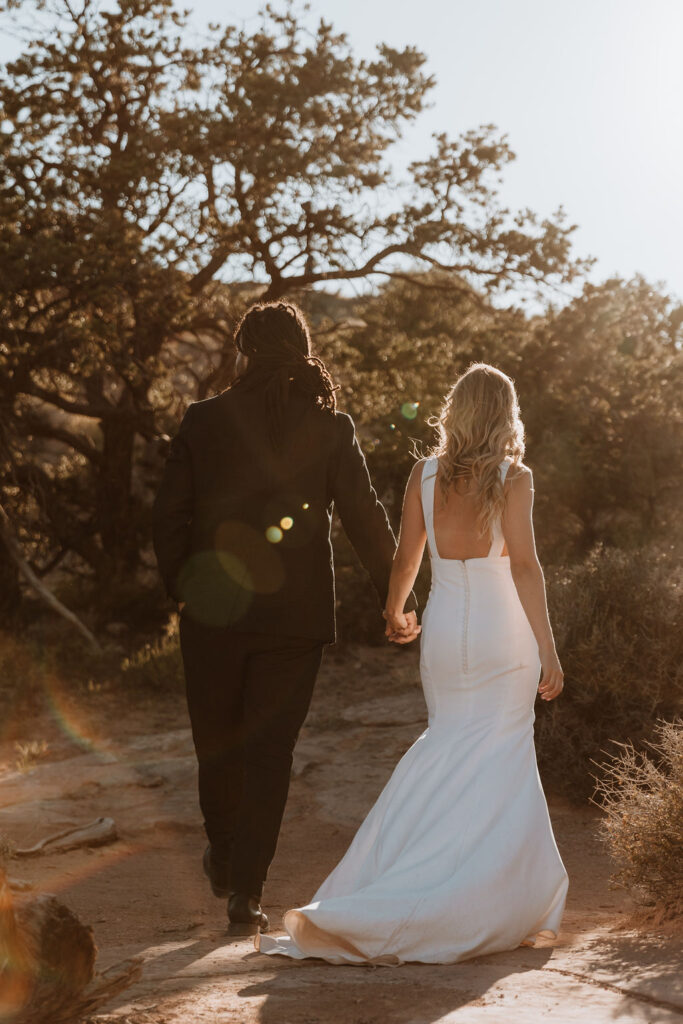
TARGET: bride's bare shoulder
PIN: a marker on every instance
(518, 469)
(520, 475)
(416, 471)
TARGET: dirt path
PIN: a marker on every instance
(145, 895)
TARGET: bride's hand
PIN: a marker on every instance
(397, 622)
(402, 634)
(552, 680)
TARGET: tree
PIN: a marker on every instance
(605, 374)
(598, 380)
(138, 172)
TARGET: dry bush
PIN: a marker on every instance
(617, 623)
(157, 665)
(643, 825)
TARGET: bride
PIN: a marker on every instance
(457, 857)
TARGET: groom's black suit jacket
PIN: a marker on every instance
(242, 531)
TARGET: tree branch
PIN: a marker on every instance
(77, 408)
(17, 555)
(39, 428)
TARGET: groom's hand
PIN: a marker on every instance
(402, 629)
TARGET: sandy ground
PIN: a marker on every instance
(145, 895)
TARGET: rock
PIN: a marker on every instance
(47, 955)
(47, 962)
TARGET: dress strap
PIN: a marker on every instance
(497, 538)
(428, 484)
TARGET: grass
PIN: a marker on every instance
(29, 753)
(156, 665)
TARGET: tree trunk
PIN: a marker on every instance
(116, 509)
(10, 591)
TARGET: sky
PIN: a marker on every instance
(589, 92)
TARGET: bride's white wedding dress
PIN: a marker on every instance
(457, 857)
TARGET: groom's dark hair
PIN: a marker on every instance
(276, 339)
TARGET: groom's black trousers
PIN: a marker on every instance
(248, 695)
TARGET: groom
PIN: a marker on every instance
(241, 529)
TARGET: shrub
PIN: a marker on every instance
(156, 665)
(23, 675)
(46, 649)
(617, 624)
(643, 823)
(358, 611)
(599, 384)
(137, 600)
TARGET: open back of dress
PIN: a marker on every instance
(461, 523)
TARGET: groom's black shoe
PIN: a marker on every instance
(218, 875)
(245, 915)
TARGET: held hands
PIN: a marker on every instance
(401, 628)
(552, 681)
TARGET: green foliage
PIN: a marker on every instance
(643, 825)
(617, 623)
(598, 382)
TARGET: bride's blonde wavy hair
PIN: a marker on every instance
(479, 425)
